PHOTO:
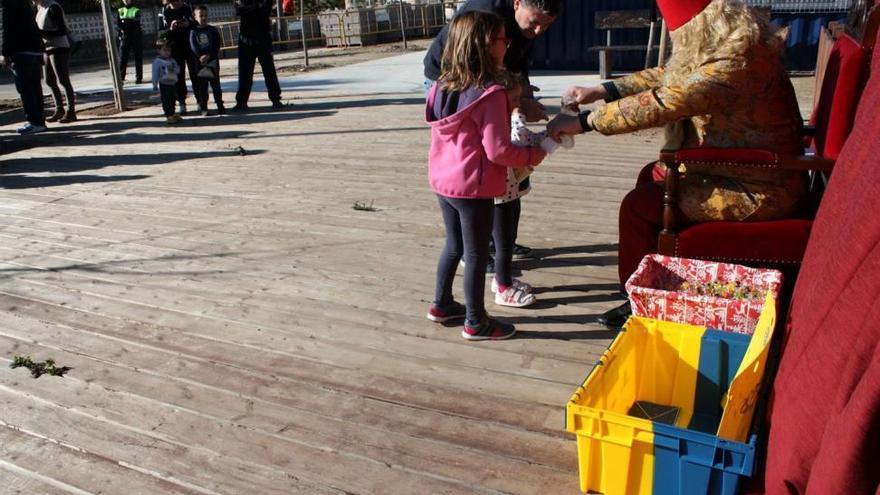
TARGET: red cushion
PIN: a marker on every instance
(825, 409)
(844, 79)
(781, 241)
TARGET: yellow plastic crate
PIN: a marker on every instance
(684, 375)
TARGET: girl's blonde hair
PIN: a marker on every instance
(725, 29)
(466, 60)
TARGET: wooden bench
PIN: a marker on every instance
(610, 20)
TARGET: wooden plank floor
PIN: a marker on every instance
(234, 326)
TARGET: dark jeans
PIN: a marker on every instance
(251, 49)
(27, 71)
(132, 42)
(185, 60)
(504, 230)
(168, 93)
(468, 228)
(58, 71)
(201, 90)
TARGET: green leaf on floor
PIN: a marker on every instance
(39, 369)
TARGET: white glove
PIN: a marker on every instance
(567, 141)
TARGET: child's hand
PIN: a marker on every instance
(533, 110)
(204, 59)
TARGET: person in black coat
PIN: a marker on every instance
(178, 20)
(22, 49)
(524, 21)
(255, 43)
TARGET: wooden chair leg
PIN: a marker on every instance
(605, 64)
(666, 240)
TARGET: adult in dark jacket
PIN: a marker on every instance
(255, 43)
(130, 39)
(53, 29)
(178, 20)
(22, 49)
(524, 20)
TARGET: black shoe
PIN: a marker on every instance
(221, 110)
(277, 105)
(55, 117)
(615, 318)
(522, 252)
(238, 108)
(139, 81)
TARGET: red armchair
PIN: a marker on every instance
(777, 243)
(825, 411)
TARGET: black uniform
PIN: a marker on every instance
(131, 39)
(255, 43)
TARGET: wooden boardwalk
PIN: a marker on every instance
(235, 326)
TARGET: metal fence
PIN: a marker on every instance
(804, 6)
(352, 27)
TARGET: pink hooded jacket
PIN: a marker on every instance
(471, 148)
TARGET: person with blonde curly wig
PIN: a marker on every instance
(723, 87)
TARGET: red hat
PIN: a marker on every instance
(678, 12)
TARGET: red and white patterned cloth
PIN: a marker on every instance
(651, 294)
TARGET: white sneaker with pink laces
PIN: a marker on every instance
(514, 297)
(519, 284)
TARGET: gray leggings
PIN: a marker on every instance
(57, 66)
(468, 229)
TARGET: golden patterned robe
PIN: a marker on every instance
(723, 104)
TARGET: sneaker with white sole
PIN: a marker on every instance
(522, 252)
(514, 298)
(451, 311)
(516, 283)
(29, 128)
(488, 329)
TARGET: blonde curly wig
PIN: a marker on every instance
(725, 29)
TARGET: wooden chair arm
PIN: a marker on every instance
(748, 158)
(729, 157)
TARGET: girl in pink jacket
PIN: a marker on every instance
(470, 150)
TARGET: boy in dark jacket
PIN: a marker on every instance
(204, 40)
(22, 49)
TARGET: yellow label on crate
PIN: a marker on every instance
(745, 390)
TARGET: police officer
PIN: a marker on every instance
(131, 38)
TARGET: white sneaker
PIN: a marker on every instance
(519, 284)
(30, 129)
(514, 297)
